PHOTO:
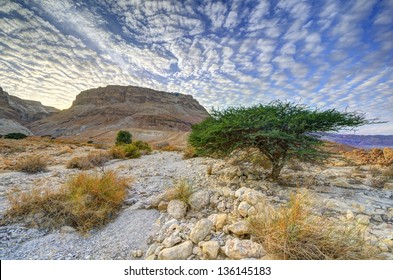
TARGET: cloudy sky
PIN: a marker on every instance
(327, 53)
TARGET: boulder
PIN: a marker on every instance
(243, 249)
(199, 200)
(177, 209)
(239, 228)
(218, 220)
(243, 208)
(178, 252)
(201, 230)
(210, 249)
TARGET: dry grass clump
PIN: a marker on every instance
(189, 152)
(181, 190)
(209, 169)
(85, 202)
(89, 161)
(31, 164)
(377, 182)
(375, 171)
(294, 232)
(133, 150)
(388, 173)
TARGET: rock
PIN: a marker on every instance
(201, 230)
(350, 215)
(227, 192)
(239, 193)
(252, 211)
(199, 200)
(67, 229)
(162, 206)
(197, 251)
(152, 249)
(388, 242)
(138, 205)
(251, 197)
(218, 220)
(130, 201)
(221, 206)
(363, 219)
(178, 252)
(341, 183)
(151, 257)
(210, 249)
(239, 228)
(243, 249)
(137, 253)
(243, 208)
(172, 240)
(177, 209)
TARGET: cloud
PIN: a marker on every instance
(327, 54)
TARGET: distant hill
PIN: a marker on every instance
(361, 141)
(100, 112)
(15, 113)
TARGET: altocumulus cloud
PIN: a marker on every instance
(330, 53)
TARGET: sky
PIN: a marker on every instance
(325, 54)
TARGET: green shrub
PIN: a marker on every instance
(133, 150)
(123, 137)
(15, 135)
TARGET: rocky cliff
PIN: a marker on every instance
(113, 107)
(15, 113)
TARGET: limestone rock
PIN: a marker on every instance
(67, 229)
(239, 228)
(201, 230)
(162, 206)
(218, 220)
(199, 200)
(242, 249)
(177, 209)
(243, 208)
(363, 219)
(210, 249)
(178, 252)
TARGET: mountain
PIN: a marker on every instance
(361, 141)
(15, 113)
(99, 112)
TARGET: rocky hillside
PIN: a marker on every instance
(15, 113)
(98, 111)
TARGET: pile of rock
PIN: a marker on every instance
(211, 226)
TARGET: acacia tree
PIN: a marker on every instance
(280, 130)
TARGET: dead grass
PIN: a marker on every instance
(209, 169)
(92, 160)
(181, 190)
(377, 182)
(32, 164)
(388, 173)
(294, 232)
(85, 202)
(375, 171)
(189, 152)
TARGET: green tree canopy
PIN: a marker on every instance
(280, 130)
(123, 137)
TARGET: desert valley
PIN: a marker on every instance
(174, 204)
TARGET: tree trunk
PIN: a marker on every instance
(276, 169)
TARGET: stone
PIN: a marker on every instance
(350, 215)
(210, 249)
(237, 249)
(138, 205)
(162, 206)
(152, 249)
(243, 208)
(177, 209)
(252, 211)
(239, 228)
(201, 230)
(67, 229)
(178, 252)
(171, 240)
(221, 206)
(251, 197)
(218, 220)
(341, 183)
(199, 200)
(197, 251)
(363, 219)
(151, 257)
(239, 193)
(227, 192)
(137, 253)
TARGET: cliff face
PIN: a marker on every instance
(112, 108)
(15, 113)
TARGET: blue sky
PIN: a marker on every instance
(326, 54)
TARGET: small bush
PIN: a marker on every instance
(117, 152)
(375, 171)
(377, 182)
(85, 202)
(15, 135)
(89, 161)
(31, 164)
(143, 147)
(133, 150)
(123, 137)
(294, 232)
(181, 190)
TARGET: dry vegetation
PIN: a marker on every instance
(294, 232)
(93, 159)
(85, 202)
(181, 190)
(31, 164)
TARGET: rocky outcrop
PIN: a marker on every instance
(15, 113)
(112, 108)
(373, 156)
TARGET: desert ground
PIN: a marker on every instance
(214, 221)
